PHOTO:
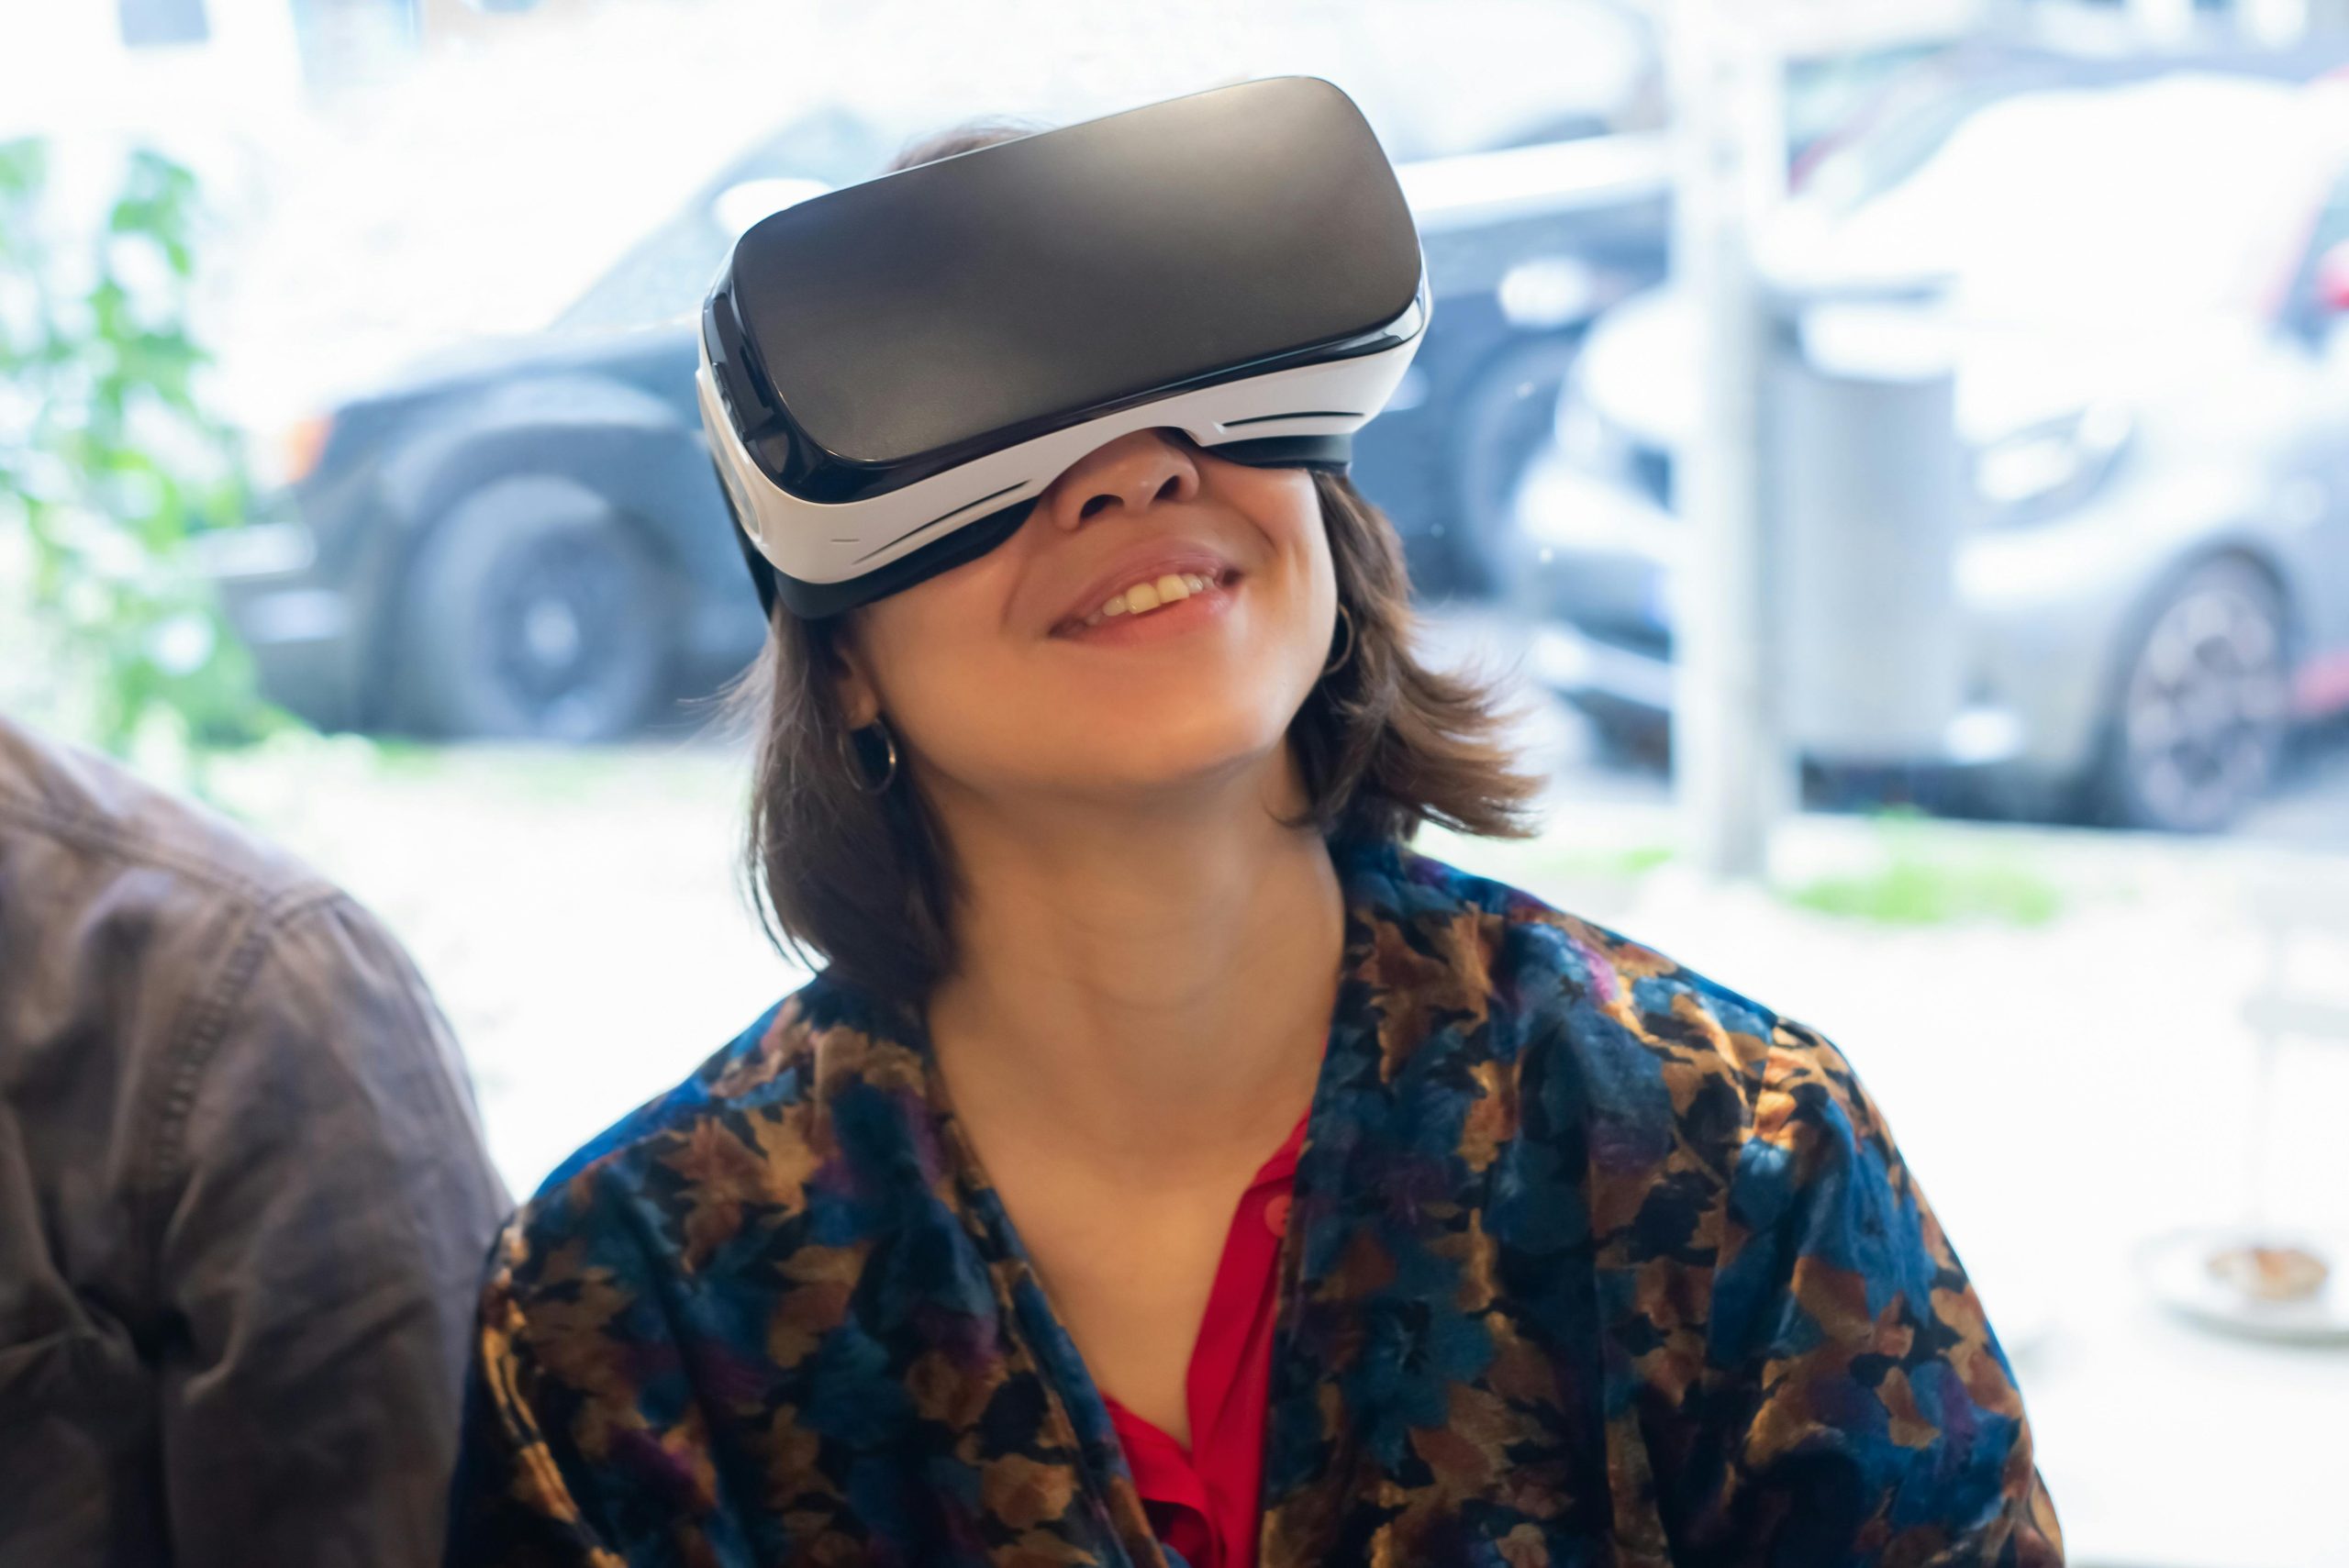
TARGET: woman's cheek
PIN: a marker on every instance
(972, 715)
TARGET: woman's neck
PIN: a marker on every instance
(1150, 993)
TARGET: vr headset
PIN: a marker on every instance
(892, 372)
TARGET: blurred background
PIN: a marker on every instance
(1897, 453)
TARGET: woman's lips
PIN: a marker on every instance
(1142, 598)
(1145, 583)
(1145, 566)
(1165, 617)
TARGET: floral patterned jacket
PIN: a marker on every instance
(1593, 1260)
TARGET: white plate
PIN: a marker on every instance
(2176, 1268)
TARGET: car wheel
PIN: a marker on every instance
(1503, 419)
(2199, 719)
(533, 613)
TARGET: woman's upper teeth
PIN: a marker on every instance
(1146, 596)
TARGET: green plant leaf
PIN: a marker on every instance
(145, 649)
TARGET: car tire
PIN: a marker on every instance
(533, 611)
(1501, 421)
(2198, 716)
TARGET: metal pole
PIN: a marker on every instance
(1731, 776)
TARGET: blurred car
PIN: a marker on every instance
(525, 538)
(2144, 284)
(522, 538)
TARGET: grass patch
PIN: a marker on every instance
(1528, 862)
(1609, 864)
(1916, 887)
(398, 757)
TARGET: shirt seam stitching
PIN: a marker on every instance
(96, 836)
(197, 1042)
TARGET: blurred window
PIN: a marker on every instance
(2312, 298)
(1428, 83)
(666, 274)
(2183, 196)
(1827, 97)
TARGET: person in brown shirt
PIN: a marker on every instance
(244, 1199)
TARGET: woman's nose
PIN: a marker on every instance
(1135, 472)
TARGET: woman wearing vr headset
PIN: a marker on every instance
(1169, 1165)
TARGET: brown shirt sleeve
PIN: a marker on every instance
(326, 1205)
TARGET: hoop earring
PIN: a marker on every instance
(856, 768)
(1346, 616)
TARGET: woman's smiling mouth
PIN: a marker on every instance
(1143, 598)
(1150, 591)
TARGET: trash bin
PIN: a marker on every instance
(1861, 513)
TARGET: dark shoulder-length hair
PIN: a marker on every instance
(865, 880)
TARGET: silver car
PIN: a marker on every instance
(2144, 285)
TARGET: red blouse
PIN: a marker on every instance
(1203, 1503)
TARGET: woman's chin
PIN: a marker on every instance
(1151, 767)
